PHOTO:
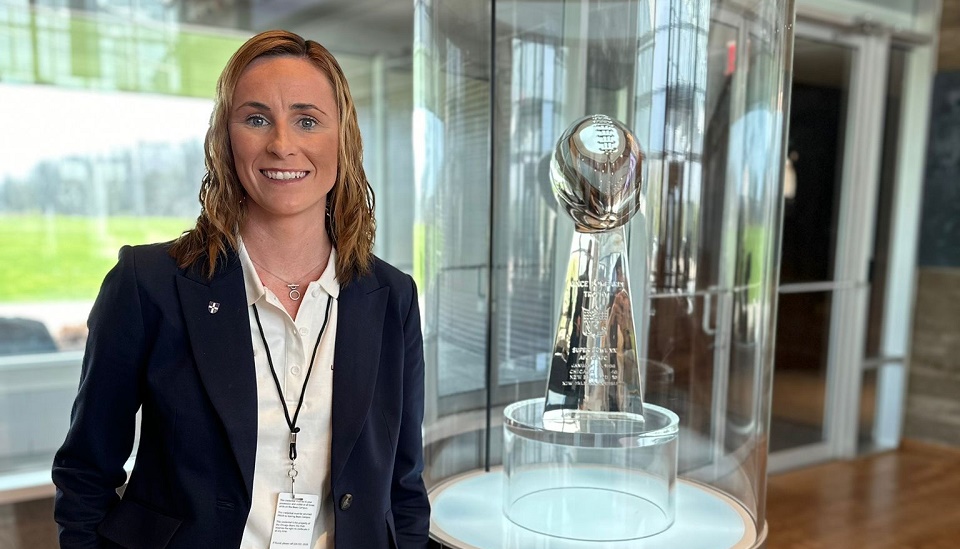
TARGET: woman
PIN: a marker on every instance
(276, 363)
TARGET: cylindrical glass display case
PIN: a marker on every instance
(702, 85)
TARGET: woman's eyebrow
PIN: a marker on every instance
(306, 107)
(256, 105)
(296, 106)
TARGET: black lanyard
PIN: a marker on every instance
(293, 423)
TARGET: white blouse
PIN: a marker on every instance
(291, 344)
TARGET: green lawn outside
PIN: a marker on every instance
(56, 258)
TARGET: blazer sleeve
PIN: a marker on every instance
(409, 503)
(88, 468)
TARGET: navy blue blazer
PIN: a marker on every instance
(155, 346)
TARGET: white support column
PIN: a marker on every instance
(861, 171)
(904, 231)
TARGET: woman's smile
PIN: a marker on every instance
(284, 175)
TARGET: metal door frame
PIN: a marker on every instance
(847, 362)
(849, 286)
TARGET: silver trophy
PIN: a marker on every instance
(594, 384)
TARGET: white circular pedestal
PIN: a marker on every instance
(602, 460)
(467, 514)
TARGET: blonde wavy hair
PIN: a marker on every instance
(350, 221)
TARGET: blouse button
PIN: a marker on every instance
(295, 370)
(316, 292)
(346, 501)
(304, 331)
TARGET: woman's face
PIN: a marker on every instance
(284, 131)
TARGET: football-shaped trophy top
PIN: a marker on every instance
(597, 173)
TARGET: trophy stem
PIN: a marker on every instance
(594, 383)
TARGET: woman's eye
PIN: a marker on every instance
(307, 123)
(257, 121)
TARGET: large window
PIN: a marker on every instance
(105, 132)
(107, 104)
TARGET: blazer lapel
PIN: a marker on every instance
(218, 327)
(356, 361)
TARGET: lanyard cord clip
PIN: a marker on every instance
(293, 443)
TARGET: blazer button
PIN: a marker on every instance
(346, 501)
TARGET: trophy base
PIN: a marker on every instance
(556, 467)
(597, 423)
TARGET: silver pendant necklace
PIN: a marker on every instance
(294, 288)
(294, 293)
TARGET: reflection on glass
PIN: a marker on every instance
(451, 144)
(533, 71)
(452, 218)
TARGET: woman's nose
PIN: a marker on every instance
(280, 143)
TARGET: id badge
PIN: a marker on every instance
(294, 520)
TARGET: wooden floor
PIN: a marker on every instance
(908, 499)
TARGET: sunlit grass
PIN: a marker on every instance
(55, 257)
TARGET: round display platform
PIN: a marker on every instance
(467, 514)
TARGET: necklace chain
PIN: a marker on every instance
(294, 288)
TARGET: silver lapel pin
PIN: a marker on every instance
(213, 307)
